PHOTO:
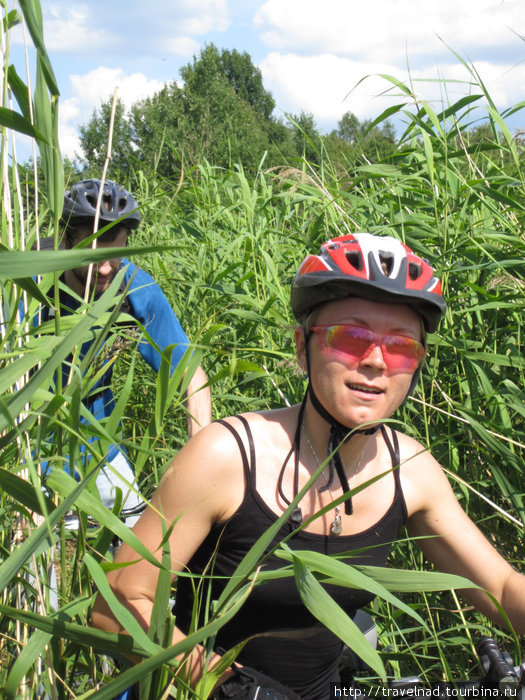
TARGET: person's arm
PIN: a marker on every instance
(151, 307)
(204, 484)
(455, 545)
(198, 402)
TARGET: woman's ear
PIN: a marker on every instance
(300, 347)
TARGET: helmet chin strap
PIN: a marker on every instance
(339, 434)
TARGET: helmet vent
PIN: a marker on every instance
(414, 271)
(354, 259)
(387, 262)
(81, 202)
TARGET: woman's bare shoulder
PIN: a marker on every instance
(422, 476)
(208, 471)
(213, 463)
(412, 452)
(213, 450)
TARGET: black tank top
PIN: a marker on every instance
(307, 664)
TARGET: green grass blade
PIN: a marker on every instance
(36, 646)
(333, 617)
(13, 120)
(126, 618)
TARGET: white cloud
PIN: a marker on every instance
(322, 50)
(194, 16)
(99, 84)
(89, 90)
(183, 46)
(71, 29)
(204, 16)
(139, 28)
(381, 30)
(328, 86)
(316, 84)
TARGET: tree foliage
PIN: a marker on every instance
(220, 113)
(306, 137)
(234, 70)
(208, 118)
(94, 138)
(355, 140)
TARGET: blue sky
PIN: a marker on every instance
(312, 53)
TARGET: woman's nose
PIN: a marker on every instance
(374, 357)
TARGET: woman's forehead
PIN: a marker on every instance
(369, 314)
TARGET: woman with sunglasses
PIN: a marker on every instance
(364, 307)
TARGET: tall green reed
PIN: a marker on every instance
(43, 577)
(233, 245)
(458, 203)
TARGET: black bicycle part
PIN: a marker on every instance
(500, 675)
(497, 665)
(249, 684)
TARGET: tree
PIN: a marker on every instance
(221, 112)
(246, 80)
(94, 138)
(306, 137)
(349, 128)
(227, 110)
(355, 141)
(158, 125)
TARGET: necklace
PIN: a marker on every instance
(336, 527)
(312, 450)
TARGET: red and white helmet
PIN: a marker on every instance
(379, 268)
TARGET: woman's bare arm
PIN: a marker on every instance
(203, 485)
(455, 543)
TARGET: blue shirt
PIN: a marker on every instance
(149, 306)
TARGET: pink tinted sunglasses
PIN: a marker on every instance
(399, 352)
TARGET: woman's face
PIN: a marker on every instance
(366, 389)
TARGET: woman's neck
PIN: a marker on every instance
(316, 434)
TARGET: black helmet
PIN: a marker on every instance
(379, 268)
(116, 204)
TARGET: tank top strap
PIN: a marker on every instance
(248, 463)
(393, 448)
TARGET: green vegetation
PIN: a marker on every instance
(223, 115)
(232, 234)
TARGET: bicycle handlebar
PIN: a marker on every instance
(497, 665)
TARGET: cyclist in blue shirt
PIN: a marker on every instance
(144, 301)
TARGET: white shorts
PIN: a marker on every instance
(118, 474)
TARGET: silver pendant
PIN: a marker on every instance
(337, 523)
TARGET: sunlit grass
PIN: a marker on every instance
(234, 245)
